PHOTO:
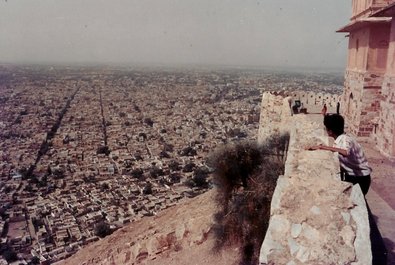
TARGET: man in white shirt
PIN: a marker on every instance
(354, 167)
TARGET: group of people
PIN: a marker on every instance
(325, 109)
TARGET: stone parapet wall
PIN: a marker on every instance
(315, 217)
(274, 110)
(311, 99)
(386, 125)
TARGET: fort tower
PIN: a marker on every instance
(368, 100)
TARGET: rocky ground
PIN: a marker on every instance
(178, 235)
(181, 235)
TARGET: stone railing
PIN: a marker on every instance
(315, 217)
(311, 99)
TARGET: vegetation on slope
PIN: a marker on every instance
(245, 175)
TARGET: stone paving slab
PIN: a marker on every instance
(384, 217)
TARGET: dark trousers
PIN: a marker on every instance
(363, 181)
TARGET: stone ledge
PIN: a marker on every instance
(315, 217)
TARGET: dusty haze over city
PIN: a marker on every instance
(270, 33)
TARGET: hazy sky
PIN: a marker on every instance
(221, 32)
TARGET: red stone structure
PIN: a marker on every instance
(368, 100)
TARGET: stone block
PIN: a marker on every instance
(314, 217)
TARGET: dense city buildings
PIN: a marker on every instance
(88, 150)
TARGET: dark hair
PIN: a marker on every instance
(335, 123)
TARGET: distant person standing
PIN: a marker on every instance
(354, 166)
(324, 110)
(338, 108)
(289, 99)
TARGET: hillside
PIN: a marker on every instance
(181, 234)
(178, 235)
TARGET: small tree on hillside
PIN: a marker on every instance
(245, 175)
(102, 229)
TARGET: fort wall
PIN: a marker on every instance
(370, 72)
(385, 137)
(361, 101)
(315, 217)
(314, 100)
(367, 104)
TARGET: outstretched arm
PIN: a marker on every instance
(341, 151)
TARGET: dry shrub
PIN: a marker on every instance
(245, 175)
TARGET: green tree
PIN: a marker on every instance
(35, 261)
(147, 189)
(102, 229)
(103, 150)
(149, 122)
(10, 255)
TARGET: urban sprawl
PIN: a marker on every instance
(85, 151)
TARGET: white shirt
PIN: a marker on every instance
(355, 163)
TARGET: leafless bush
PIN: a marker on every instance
(245, 175)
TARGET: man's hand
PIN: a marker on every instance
(313, 147)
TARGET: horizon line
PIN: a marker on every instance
(178, 65)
